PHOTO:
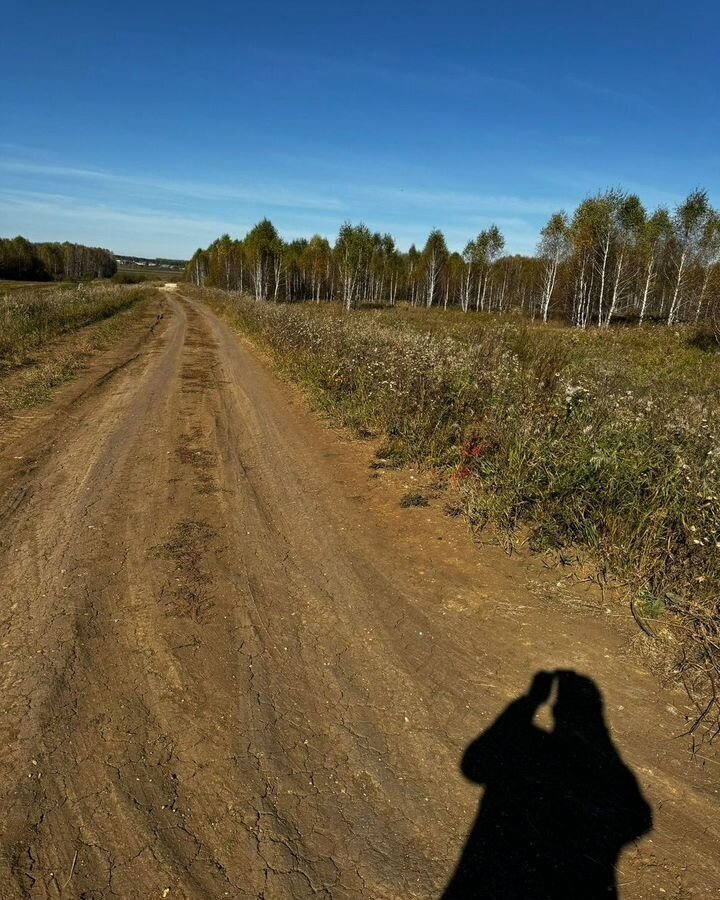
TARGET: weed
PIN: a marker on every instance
(412, 499)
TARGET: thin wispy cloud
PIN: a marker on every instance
(46, 198)
(608, 92)
(43, 215)
(582, 182)
(334, 71)
(269, 195)
(44, 203)
(497, 204)
(50, 216)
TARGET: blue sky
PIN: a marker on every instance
(153, 128)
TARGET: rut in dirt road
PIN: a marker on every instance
(225, 673)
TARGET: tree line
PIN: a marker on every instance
(610, 260)
(23, 260)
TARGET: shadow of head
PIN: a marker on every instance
(559, 803)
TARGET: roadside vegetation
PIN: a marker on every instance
(46, 334)
(594, 443)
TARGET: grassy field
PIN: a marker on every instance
(140, 274)
(9, 287)
(600, 445)
(31, 317)
(47, 333)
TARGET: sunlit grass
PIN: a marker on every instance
(32, 316)
(48, 333)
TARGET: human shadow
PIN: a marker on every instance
(558, 805)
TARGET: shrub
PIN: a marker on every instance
(130, 278)
(705, 337)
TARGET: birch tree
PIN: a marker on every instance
(318, 261)
(352, 252)
(629, 218)
(553, 249)
(708, 257)
(488, 246)
(689, 223)
(435, 255)
(470, 258)
(264, 254)
(609, 260)
(655, 234)
(413, 267)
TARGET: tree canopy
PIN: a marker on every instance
(609, 260)
(22, 260)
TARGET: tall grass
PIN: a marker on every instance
(607, 443)
(47, 335)
(30, 317)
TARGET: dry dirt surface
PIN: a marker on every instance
(234, 666)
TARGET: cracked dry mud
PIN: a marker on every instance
(234, 666)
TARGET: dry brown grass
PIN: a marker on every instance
(47, 335)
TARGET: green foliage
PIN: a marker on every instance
(353, 250)
(691, 216)
(435, 247)
(611, 262)
(555, 234)
(22, 260)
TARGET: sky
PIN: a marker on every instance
(154, 128)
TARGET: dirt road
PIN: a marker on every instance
(233, 666)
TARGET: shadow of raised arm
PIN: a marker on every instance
(558, 805)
